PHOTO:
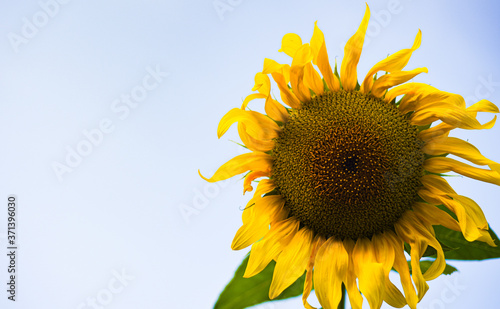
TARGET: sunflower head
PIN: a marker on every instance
(352, 172)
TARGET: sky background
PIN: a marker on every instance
(138, 88)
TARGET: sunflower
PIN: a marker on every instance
(351, 173)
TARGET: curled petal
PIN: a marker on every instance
(253, 143)
(253, 161)
(390, 80)
(431, 215)
(395, 62)
(445, 165)
(460, 148)
(385, 255)
(471, 221)
(442, 129)
(290, 43)
(273, 109)
(483, 106)
(410, 89)
(412, 231)
(262, 84)
(401, 266)
(449, 114)
(257, 125)
(252, 97)
(247, 183)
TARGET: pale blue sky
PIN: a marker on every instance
(111, 228)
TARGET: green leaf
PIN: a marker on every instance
(424, 265)
(466, 250)
(246, 292)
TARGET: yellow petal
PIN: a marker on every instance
(473, 210)
(426, 99)
(275, 110)
(262, 84)
(401, 266)
(301, 58)
(351, 286)
(271, 66)
(247, 234)
(442, 129)
(288, 97)
(264, 186)
(281, 75)
(405, 230)
(395, 62)
(352, 53)
(390, 80)
(370, 273)
(253, 143)
(257, 125)
(292, 262)
(318, 47)
(472, 225)
(270, 246)
(449, 114)
(290, 43)
(252, 97)
(483, 106)
(247, 183)
(253, 161)
(266, 210)
(436, 184)
(419, 237)
(329, 271)
(438, 131)
(460, 148)
(385, 255)
(431, 215)
(445, 165)
(312, 79)
(409, 89)
(308, 284)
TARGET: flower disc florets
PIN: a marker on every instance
(348, 164)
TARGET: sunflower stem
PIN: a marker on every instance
(342, 300)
